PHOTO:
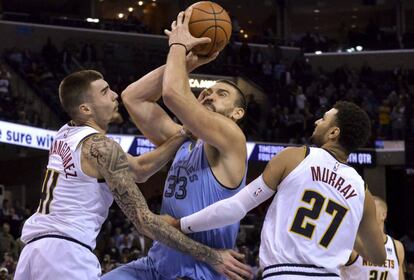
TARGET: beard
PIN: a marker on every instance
(317, 141)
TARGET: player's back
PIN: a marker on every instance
(190, 187)
(361, 269)
(311, 225)
(72, 203)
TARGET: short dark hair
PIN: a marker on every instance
(73, 89)
(354, 124)
(241, 100)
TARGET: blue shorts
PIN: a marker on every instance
(142, 269)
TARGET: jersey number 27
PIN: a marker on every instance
(317, 201)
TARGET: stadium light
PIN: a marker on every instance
(140, 3)
(95, 20)
(318, 52)
(120, 15)
(359, 48)
(130, 9)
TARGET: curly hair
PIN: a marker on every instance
(354, 124)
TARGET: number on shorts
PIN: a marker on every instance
(48, 186)
(316, 202)
(373, 275)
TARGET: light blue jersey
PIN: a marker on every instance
(190, 187)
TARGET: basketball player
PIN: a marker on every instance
(86, 171)
(392, 269)
(203, 171)
(320, 207)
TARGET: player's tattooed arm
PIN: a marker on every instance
(112, 164)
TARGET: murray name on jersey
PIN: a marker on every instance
(325, 175)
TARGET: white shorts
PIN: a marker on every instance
(297, 272)
(55, 258)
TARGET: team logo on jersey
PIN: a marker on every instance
(389, 250)
(66, 133)
(257, 192)
(336, 166)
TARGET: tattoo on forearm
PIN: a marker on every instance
(112, 163)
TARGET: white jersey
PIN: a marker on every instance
(72, 203)
(313, 219)
(361, 269)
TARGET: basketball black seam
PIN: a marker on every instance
(225, 33)
(205, 30)
(215, 29)
(214, 12)
(201, 20)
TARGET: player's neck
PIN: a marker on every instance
(337, 151)
(93, 124)
(384, 237)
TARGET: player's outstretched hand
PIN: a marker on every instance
(180, 33)
(232, 266)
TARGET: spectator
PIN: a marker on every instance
(9, 263)
(384, 119)
(398, 121)
(4, 274)
(7, 242)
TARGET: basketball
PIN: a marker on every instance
(210, 20)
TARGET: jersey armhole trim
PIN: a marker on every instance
(307, 150)
(349, 263)
(84, 138)
(395, 249)
(214, 175)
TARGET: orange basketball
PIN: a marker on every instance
(210, 20)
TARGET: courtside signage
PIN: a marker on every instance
(39, 138)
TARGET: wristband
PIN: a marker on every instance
(180, 44)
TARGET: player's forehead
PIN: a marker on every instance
(99, 84)
(220, 86)
(330, 114)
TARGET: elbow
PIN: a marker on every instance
(169, 96)
(141, 172)
(126, 97)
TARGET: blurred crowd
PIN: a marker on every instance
(118, 242)
(296, 94)
(372, 36)
(15, 108)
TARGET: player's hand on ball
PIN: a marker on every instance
(232, 266)
(180, 34)
(194, 61)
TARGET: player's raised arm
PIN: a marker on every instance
(370, 244)
(198, 115)
(140, 99)
(111, 163)
(146, 165)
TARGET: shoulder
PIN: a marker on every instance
(290, 154)
(399, 248)
(99, 149)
